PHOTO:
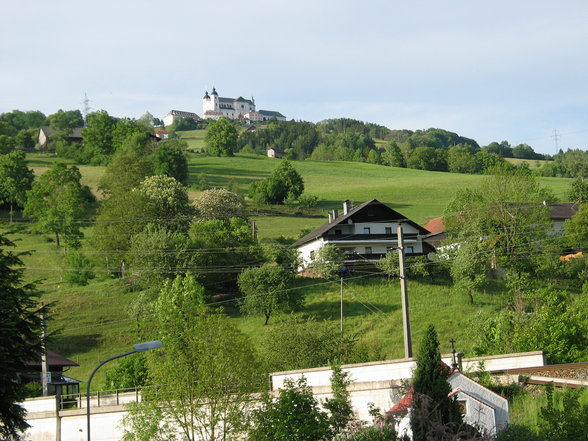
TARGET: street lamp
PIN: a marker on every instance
(140, 347)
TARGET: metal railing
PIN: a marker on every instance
(100, 398)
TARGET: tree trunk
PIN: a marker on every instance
(57, 238)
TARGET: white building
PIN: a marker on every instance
(365, 233)
(172, 115)
(215, 107)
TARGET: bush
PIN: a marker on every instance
(78, 269)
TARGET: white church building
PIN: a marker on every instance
(215, 107)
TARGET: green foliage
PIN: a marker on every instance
(566, 422)
(328, 262)
(65, 120)
(431, 391)
(19, 338)
(265, 291)
(98, 138)
(58, 201)
(576, 229)
(146, 421)
(157, 254)
(12, 122)
(15, 179)
(203, 375)
(556, 324)
(305, 343)
(125, 172)
(219, 203)
(78, 268)
(169, 201)
(578, 192)
(294, 416)
(514, 432)
(219, 246)
(168, 159)
(339, 407)
(427, 158)
(389, 264)
(130, 372)
(461, 160)
(284, 182)
(221, 137)
(468, 268)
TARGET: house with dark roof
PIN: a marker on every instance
(45, 132)
(269, 114)
(57, 382)
(365, 232)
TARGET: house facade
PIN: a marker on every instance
(45, 132)
(172, 115)
(366, 232)
(215, 107)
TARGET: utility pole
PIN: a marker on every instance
(341, 305)
(404, 294)
(44, 364)
(254, 230)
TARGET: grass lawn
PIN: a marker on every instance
(94, 320)
(194, 138)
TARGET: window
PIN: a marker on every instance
(312, 255)
(367, 230)
(388, 230)
(338, 232)
(463, 407)
(409, 250)
(368, 250)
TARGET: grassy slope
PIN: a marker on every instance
(95, 323)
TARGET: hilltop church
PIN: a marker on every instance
(215, 107)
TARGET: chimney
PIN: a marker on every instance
(335, 214)
(346, 207)
(330, 217)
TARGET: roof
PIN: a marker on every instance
(53, 359)
(391, 215)
(564, 210)
(183, 114)
(435, 225)
(270, 113)
(403, 405)
(75, 133)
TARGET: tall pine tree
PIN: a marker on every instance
(432, 405)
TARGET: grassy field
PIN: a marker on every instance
(94, 321)
(194, 138)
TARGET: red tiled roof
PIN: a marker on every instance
(403, 405)
(435, 225)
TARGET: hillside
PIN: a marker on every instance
(93, 322)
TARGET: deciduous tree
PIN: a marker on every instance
(15, 179)
(265, 291)
(58, 202)
(221, 137)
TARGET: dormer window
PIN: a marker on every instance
(367, 230)
(388, 230)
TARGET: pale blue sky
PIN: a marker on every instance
(513, 70)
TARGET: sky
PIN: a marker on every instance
(512, 70)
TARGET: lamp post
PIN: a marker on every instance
(140, 347)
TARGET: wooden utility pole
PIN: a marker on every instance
(404, 294)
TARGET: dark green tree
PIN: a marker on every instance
(578, 191)
(57, 200)
(15, 179)
(98, 138)
(284, 183)
(20, 338)
(168, 159)
(265, 291)
(431, 391)
(294, 416)
(65, 120)
(125, 172)
(221, 137)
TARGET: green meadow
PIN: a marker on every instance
(93, 322)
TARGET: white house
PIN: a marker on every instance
(365, 233)
(172, 115)
(215, 107)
